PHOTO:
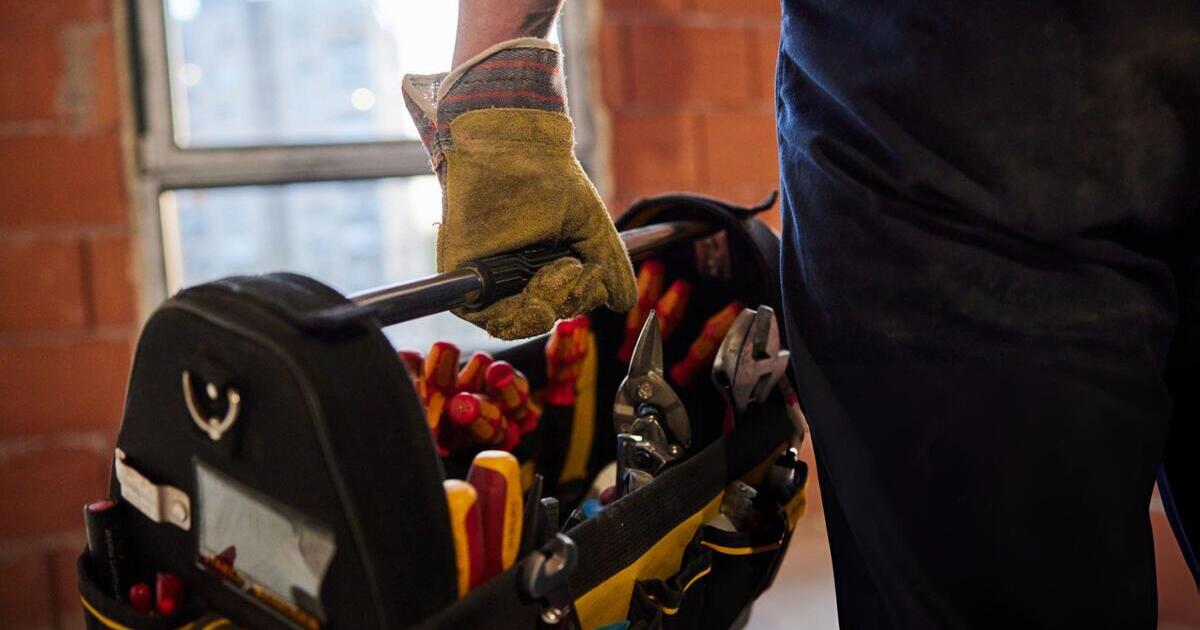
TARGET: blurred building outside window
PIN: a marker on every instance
(276, 139)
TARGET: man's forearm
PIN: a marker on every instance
(482, 23)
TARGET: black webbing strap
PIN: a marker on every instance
(624, 531)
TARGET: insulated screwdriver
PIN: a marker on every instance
(471, 376)
(671, 306)
(565, 351)
(703, 350)
(467, 531)
(441, 368)
(496, 476)
(510, 389)
(414, 364)
(480, 416)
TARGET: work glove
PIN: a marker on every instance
(500, 141)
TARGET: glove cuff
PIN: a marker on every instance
(517, 74)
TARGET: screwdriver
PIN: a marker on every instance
(510, 389)
(441, 368)
(471, 376)
(703, 350)
(414, 364)
(565, 351)
(496, 476)
(467, 531)
(671, 306)
(480, 416)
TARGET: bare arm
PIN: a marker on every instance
(482, 23)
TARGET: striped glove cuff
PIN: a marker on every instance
(516, 74)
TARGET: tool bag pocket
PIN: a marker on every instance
(103, 611)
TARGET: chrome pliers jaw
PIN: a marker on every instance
(651, 422)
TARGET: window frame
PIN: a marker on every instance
(162, 165)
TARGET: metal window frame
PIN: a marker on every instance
(162, 165)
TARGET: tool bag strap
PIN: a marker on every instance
(751, 238)
(637, 521)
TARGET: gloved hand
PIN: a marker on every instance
(498, 136)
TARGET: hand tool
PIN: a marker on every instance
(750, 362)
(530, 527)
(510, 389)
(565, 351)
(435, 406)
(700, 354)
(471, 376)
(547, 520)
(649, 289)
(651, 422)
(672, 305)
(496, 476)
(168, 591)
(786, 476)
(141, 598)
(106, 546)
(414, 363)
(482, 282)
(480, 416)
(738, 506)
(574, 518)
(441, 368)
(467, 531)
(794, 411)
(544, 575)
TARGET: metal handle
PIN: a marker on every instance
(482, 282)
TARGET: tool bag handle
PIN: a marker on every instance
(480, 283)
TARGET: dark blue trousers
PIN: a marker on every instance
(989, 211)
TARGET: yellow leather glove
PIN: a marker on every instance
(498, 136)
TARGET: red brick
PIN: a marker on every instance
(62, 179)
(45, 388)
(106, 88)
(689, 64)
(764, 43)
(612, 61)
(40, 284)
(642, 7)
(45, 489)
(112, 292)
(652, 153)
(28, 79)
(764, 8)
(64, 574)
(59, 67)
(23, 14)
(740, 150)
(25, 590)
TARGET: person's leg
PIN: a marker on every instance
(975, 253)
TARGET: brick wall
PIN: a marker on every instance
(67, 309)
(688, 86)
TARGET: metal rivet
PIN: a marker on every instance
(179, 512)
(645, 391)
(552, 616)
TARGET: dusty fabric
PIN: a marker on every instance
(989, 207)
(503, 148)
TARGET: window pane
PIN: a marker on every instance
(261, 72)
(351, 235)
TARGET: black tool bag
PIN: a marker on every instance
(270, 426)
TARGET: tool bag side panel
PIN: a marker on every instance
(329, 426)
